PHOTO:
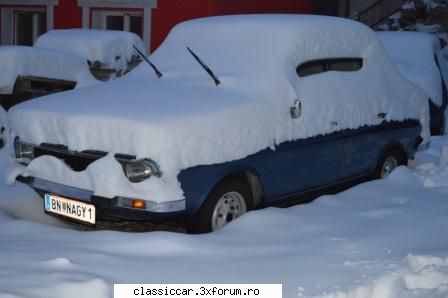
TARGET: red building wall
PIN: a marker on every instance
(171, 12)
(263, 6)
(67, 15)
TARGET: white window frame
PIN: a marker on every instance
(99, 18)
(146, 5)
(49, 4)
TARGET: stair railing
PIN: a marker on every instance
(378, 12)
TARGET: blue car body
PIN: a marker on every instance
(292, 172)
(311, 166)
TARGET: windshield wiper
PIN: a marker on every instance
(205, 67)
(156, 70)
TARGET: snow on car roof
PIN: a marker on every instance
(29, 61)
(413, 53)
(112, 48)
(245, 44)
(183, 120)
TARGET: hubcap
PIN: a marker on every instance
(228, 208)
(389, 165)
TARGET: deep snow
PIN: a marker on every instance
(382, 239)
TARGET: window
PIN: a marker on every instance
(119, 21)
(22, 21)
(115, 23)
(28, 25)
(334, 64)
(136, 15)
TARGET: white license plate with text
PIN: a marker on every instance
(70, 208)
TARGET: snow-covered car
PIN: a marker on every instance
(29, 72)
(61, 60)
(418, 57)
(222, 120)
(109, 53)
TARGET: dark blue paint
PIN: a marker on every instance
(313, 163)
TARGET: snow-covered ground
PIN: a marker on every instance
(379, 239)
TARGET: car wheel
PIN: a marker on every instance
(390, 161)
(228, 201)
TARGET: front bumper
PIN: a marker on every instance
(110, 209)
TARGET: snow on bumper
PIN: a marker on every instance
(102, 178)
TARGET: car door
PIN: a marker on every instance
(314, 162)
(298, 166)
(361, 149)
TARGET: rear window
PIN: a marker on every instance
(334, 64)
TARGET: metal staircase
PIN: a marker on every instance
(378, 12)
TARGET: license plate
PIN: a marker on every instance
(70, 208)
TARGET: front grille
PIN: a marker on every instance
(77, 161)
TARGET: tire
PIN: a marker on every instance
(389, 162)
(225, 203)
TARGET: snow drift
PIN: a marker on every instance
(382, 239)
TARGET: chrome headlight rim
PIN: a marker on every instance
(139, 170)
(23, 150)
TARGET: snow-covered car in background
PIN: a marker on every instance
(224, 121)
(109, 53)
(29, 72)
(418, 57)
(62, 60)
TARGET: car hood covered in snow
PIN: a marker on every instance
(183, 119)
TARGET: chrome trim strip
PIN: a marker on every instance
(171, 206)
(61, 189)
(86, 195)
(151, 206)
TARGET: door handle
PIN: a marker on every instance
(296, 110)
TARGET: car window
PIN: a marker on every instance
(334, 64)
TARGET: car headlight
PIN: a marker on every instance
(140, 170)
(23, 150)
